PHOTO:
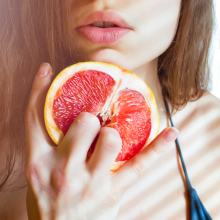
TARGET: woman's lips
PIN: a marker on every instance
(102, 35)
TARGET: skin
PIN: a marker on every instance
(153, 26)
(158, 190)
(56, 189)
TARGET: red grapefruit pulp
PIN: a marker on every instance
(119, 98)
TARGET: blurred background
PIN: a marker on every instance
(215, 55)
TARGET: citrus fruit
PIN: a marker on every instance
(118, 97)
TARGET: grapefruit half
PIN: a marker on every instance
(118, 97)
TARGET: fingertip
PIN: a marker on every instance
(41, 81)
(164, 140)
(171, 134)
(44, 69)
(87, 120)
(105, 131)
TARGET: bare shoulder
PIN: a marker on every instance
(202, 113)
(210, 103)
(199, 125)
(208, 112)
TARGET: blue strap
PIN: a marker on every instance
(197, 210)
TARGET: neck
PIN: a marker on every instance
(148, 73)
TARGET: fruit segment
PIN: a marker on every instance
(86, 91)
(132, 121)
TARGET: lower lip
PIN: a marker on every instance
(102, 35)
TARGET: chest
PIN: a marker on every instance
(161, 192)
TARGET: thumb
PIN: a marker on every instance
(37, 139)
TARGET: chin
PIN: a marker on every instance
(107, 55)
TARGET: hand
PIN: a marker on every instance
(61, 183)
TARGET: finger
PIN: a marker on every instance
(138, 165)
(79, 138)
(37, 139)
(107, 148)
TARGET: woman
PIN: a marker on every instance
(167, 46)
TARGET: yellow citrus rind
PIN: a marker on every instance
(125, 77)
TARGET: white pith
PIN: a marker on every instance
(130, 81)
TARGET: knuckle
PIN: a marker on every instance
(31, 117)
(59, 181)
(137, 167)
(158, 148)
(34, 173)
(63, 184)
(36, 86)
(86, 120)
(111, 198)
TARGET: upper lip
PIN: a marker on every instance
(107, 16)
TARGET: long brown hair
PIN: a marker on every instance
(32, 32)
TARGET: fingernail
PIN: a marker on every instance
(171, 134)
(44, 69)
